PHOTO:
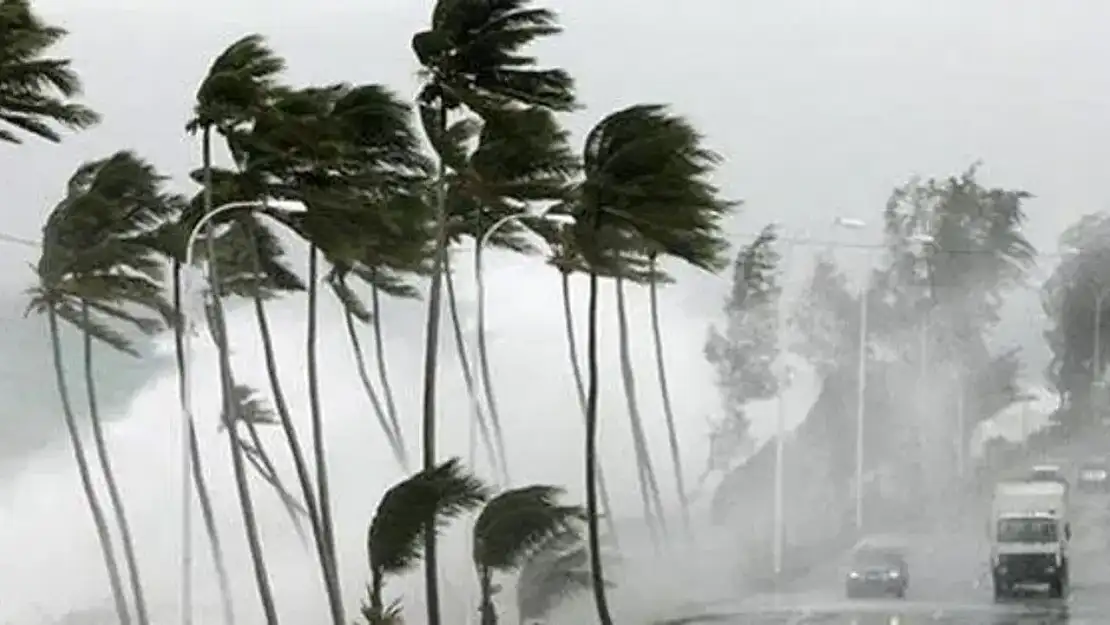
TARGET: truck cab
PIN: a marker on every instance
(1029, 537)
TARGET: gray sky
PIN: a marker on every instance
(820, 108)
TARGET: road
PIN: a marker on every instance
(949, 585)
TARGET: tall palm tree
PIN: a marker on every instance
(36, 91)
(645, 180)
(566, 261)
(473, 56)
(94, 270)
(645, 469)
(238, 84)
(522, 156)
(343, 151)
(426, 501)
(509, 530)
(664, 389)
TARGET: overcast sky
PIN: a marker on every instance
(820, 107)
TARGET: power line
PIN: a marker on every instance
(838, 244)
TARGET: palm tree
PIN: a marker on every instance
(344, 152)
(649, 485)
(664, 390)
(424, 502)
(522, 157)
(473, 56)
(169, 241)
(94, 270)
(644, 180)
(555, 570)
(509, 530)
(239, 83)
(36, 91)
(566, 260)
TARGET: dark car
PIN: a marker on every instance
(877, 570)
(1094, 477)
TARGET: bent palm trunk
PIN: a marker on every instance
(392, 437)
(227, 389)
(292, 439)
(579, 387)
(203, 497)
(323, 492)
(649, 487)
(484, 371)
(593, 535)
(101, 446)
(383, 374)
(431, 361)
(114, 580)
(496, 464)
(668, 412)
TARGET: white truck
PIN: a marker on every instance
(1029, 534)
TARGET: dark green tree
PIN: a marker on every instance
(36, 91)
(645, 181)
(474, 57)
(425, 502)
(96, 271)
(510, 529)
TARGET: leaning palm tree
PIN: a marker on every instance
(238, 84)
(342, 151)
(169, 241)
(644, 180)
(36, 91)
(95, 270)
(425, 502)
(473, 56)
(566, 261)
(522, 157)
(509, 530)
(664, 388)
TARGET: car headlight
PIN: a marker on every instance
(894, 574)
(853, 575)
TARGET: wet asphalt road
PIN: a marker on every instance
(949, 584)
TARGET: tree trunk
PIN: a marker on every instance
(375, 403)
(383, 374)
(264, 465)
(203, 496)
(127, 542)
(592, 529)
(487, 611)
(431, 359)
(484, 370)
(579, 387)
(227, 385)
(114, 580)
(496, 462)
(649, 487)
(323, 492)
(668, 412)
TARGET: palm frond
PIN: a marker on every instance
(647, 173)
(474, 52)
(430, 498)
(237, 85)
(514, 523)
(36, 91)
(557, 570)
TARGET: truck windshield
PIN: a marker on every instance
(1027, 531)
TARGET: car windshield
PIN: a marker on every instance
(874, 557)
(1027, 531)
